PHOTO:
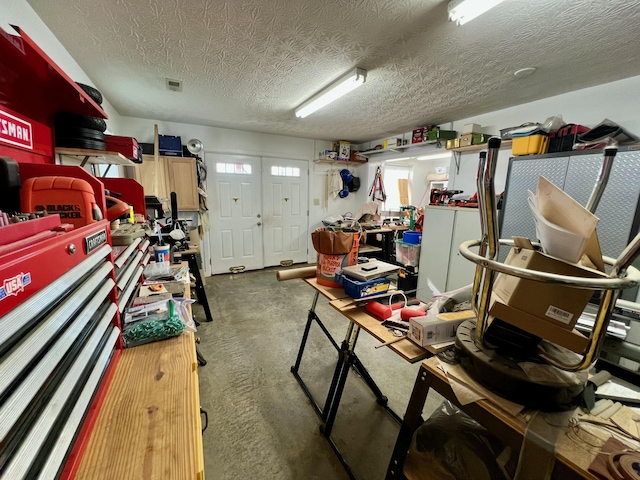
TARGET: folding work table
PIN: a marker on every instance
(572, 462)
(359, 319)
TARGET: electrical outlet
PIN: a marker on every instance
(316, 202)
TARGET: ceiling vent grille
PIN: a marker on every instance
(173, 85)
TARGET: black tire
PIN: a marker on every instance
(65, 119)
(81, 143)
(79, 132)
(93, 93)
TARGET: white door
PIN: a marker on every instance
(284, 205)
(233, 186)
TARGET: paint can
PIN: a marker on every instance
(161, 253)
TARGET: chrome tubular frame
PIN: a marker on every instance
(622, 275)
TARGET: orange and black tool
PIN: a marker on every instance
(72, 198)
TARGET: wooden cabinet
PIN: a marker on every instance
(170, 174)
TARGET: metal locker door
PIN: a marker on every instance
(515, 217)
(618, 209)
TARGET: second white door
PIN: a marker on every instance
(284, 205)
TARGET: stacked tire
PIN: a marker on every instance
(81, 131)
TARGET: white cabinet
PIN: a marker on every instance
(441, 264)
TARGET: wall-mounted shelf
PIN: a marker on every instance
(95, 156)
(340, 162)
(479, 148)
(474, 148)
(403, 148)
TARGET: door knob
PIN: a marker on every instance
(258, 215)
(259, 223)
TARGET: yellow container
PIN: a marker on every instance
(531, 145)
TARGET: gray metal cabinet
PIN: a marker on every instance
(440, 261)
(576, 174)
(466, 226)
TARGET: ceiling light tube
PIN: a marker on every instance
(463, 11)
(435, 156)
(332, 92)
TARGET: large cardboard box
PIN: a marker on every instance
(571, 339)
(554, 303)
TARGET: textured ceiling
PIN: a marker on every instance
(247, 64)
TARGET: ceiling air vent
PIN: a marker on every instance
(173, 85)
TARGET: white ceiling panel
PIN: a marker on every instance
(246, 64)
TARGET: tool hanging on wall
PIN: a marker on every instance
(376, 192)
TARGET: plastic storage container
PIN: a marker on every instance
(563, 139)
(530, 145)
(356, 289)
(407, 253)
(412, 237)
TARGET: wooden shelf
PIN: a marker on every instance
(479, 148)
(369, 249)
(95, 156)
(341, 162)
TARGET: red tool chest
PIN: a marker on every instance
(61, 290)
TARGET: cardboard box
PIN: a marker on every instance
(393, 142)
(344, 150)
(557, 304)
(453, 143)
(430, 330)
(470, 128)
(571, 339)
(466, 140)
(418, 135)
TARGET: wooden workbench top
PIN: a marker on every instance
(405, 348)
(148, 426)
(329, 292)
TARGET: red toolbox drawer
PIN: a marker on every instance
(27, 270)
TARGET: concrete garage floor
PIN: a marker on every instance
(261, 424)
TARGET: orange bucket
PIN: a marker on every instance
(329, 265)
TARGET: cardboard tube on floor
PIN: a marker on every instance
(304, 272)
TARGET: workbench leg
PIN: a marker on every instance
(366, 376)
(305, 335)
(201, 294)
(412, 420)
(322, 412)
(345, 361)
(337, 373)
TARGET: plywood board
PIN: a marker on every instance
(148, 424)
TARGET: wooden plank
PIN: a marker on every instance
(403, 189)
(145, 428)
(329, 292)
(96, 156)
(405, 348)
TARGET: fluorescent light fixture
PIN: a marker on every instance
(463, 11)
(335, 90)
(435, 156)
(398, 159)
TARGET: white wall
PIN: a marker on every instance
(617, 101)
(20, 13)
(228, 141)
